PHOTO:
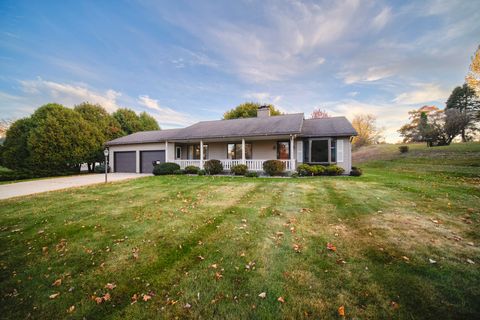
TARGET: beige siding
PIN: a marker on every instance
(347, 155)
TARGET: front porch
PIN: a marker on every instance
(253, 165)
(252, 152)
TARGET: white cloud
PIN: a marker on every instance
(164, 115)
(70, 94)
(382, 19)
(371, 74)
(263, 97)
(426, 92)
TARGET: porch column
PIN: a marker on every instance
(292, 154)
(166, 151)
(243, 151)
(201, 154)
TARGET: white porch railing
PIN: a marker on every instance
(253, 165)
(186, 163)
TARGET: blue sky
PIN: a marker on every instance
(184, 61)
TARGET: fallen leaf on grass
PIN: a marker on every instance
(432, 261)
(262, 295)
(134, 298)
(54, 296)
(470, 261)
(98, 300)
(280, 299)
(135, 253)
(331, 247)
(146, 297)
(106, 297)
(218, 275)
(71, 309)
(187, 306)
(405, 258)
(341, 311)
(297, 248)
(57, 282)
(201, 258)
(214, 266)
(394, 305)
(110, 286)
(45, 250)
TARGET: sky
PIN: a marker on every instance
(186, 61)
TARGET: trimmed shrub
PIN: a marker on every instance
(334, 170)
(239, 169)
(192, 169)
(310, 170)
(165, 168)
(356, 172)
(403, 149)
(318, 170)
(251, 174)
(294, 175)
(213, 166)
(15, 175)
(304, 170)
(273, 167)
(201, 172)
(101, 168)
(179, 171)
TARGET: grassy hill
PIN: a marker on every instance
(400, 242)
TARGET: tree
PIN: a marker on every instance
(248, 110)
(131, 123)
(319, 113)
(466, 101)
(104, 126)
(60, 139)
(418, 128)
(366, 127)
(148, 122)
(473, 76)
(15, 153)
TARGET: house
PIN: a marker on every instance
(290, 138)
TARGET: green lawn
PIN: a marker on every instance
(206, 247)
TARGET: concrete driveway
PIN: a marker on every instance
(50, 184)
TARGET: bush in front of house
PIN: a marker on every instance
(356, 172)
(213, 167)
(179, 171)
(201, 172)
(310, 170)
(403, 149)
(318, 170)
(273, 167)
(334, 170)
(239, 169)
(304, 170)
(192, 169)
(165, 168)
(251, 174)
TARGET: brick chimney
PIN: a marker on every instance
(263, 112)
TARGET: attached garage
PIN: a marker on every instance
(125, 161)
(148, 157)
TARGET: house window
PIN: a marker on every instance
(283, 150)
(194, 152)
(178, 152)
(234, 151)
(320, 150)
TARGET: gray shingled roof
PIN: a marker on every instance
(333, 126)
(145, 137)
(249, 127)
